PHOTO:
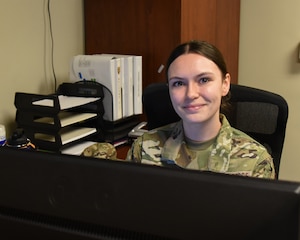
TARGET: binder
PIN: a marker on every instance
(137, 85)
(127, 83)
(105, 70)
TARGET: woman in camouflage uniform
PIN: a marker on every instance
(203, 139)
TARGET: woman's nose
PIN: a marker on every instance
(192, 90)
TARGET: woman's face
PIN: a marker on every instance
(196, 87)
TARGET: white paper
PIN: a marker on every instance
(66, 102)
(67, 135)
(67, 118)
(77, 149)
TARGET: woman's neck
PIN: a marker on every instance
(202, 132)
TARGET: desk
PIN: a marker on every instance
(77, 149)
(122, 151)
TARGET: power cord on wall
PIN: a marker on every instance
(47, 16)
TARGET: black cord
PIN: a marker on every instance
(52, 45)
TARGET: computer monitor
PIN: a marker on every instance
(57, 196)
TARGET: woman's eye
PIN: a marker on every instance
(203, 80)
(177, 84)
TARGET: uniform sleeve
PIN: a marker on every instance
(134, 153)
(265, 168)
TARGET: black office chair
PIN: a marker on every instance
(261, 114)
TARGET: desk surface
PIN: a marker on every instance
(122, 151)
(77, 149)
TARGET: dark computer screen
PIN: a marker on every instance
(56, 196)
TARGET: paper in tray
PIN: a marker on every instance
(67, 118)
(67, 135)
(66, 102)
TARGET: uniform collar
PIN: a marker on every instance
(220, 154)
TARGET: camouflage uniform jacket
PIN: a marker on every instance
(232, 151)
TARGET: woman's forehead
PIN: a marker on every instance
(192, 63)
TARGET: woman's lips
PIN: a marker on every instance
(193, 107)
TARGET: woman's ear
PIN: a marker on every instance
(226, 84)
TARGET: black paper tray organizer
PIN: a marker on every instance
(55, 121)
(57, 141)
(48, 122)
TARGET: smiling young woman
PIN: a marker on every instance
(199, 85)
(196, 87)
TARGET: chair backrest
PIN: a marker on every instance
(261, 114)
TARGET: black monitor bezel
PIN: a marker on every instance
(75, 193)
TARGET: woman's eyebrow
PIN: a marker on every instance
(204, 74)
(198, 75)
(176, 78)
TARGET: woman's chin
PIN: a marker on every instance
(193, 119)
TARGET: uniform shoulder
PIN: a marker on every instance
(165, 130)
(236, 133)
(243, 140)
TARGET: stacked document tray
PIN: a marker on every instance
(53, 122)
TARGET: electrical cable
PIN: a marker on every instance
(52, 44)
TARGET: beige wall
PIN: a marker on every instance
(25, 48)
(269, 38)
